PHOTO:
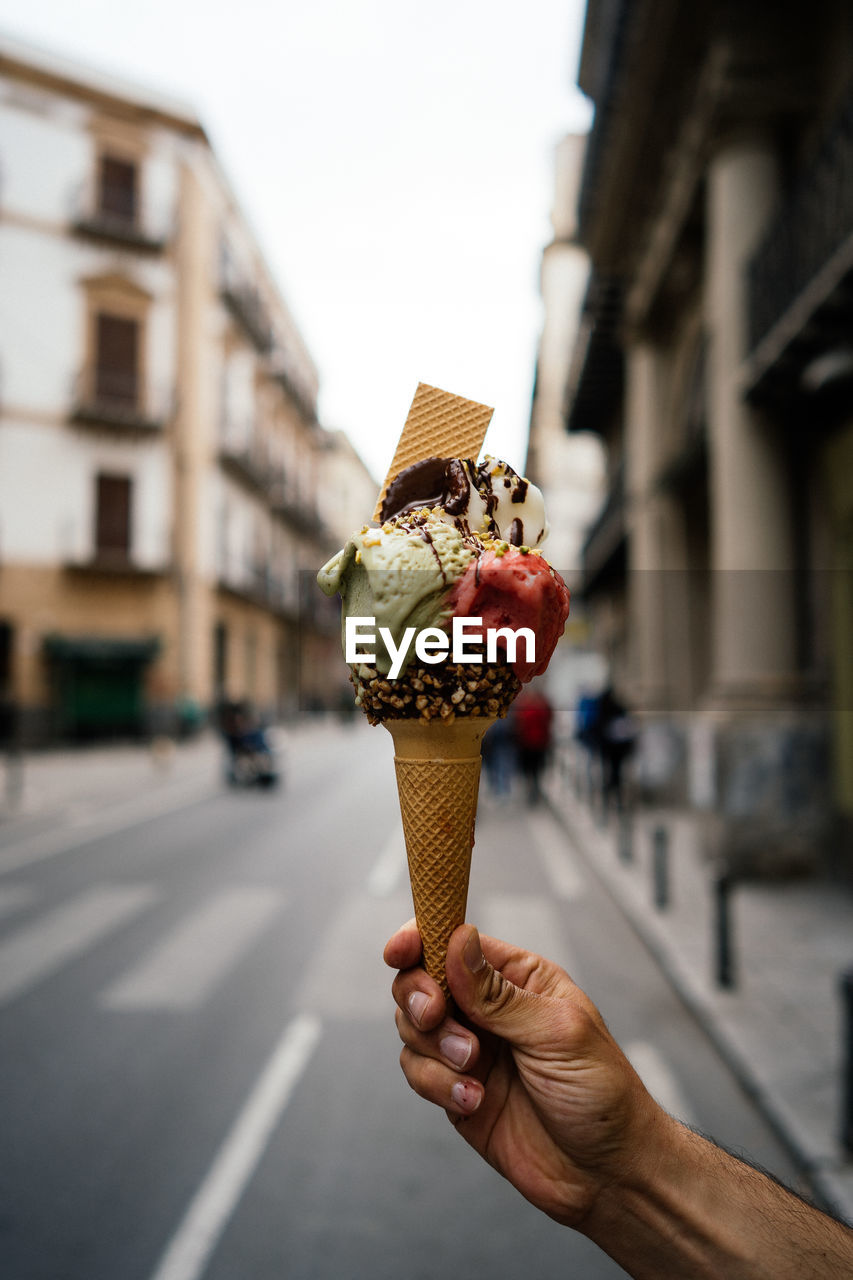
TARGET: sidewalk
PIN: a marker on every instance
(62, 782)
(780, 1025)
(68, 782)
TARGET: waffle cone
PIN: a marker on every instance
(438, 774)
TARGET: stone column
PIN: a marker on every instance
(645, 581)
(768, 788)
(657, 603)
(751, 521)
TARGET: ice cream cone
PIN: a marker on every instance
(438, 774)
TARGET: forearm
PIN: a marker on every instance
(694, 1212)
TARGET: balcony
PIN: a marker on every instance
(800, 280)
(257, 584)
(596, 376)
(286, 503)
(249, 464)
(115, 400)
(604, 550)
(109, 216)
(287, 376)
(242, 299)
(111, 563)
(81, 551)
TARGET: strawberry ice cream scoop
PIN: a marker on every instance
(514, 589)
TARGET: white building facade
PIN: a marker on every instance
(160, 454)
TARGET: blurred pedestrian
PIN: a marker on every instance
(531, 719)
(499, 757)
(616, 733)
(586, 734)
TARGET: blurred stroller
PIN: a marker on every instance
(251, 760)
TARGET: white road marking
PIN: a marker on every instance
(182, 970)
(204, 1221)
(14, 897)
(528, 920)
(37, 950)
(103, 823)
(346, 978)
(564, 875)
(656, 1075)
(387, 870)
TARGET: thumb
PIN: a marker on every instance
(489, 998)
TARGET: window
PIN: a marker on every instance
(112, 516)
(116, 360)
(117, 190)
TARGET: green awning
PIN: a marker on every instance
(100, 649)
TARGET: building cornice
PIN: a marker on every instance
(34, 67)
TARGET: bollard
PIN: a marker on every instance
(723, 951)
(847, 1062)
(660, 867)
(626, 835)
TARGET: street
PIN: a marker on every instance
(199, 1068)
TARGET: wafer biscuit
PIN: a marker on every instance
(439, 424)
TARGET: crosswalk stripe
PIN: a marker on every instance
(189, 1251)
(656, 1075)
(528, 920)
(14, 897)
(37, 950)
(101, 823)
(386, 872)
(181, 971)
(564, 875)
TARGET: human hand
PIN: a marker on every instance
(531, 1078)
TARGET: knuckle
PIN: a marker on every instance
(496, 993)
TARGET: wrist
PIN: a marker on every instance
(663, 1213)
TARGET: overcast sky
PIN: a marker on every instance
(395, 161)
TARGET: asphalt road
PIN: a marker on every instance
(199, 1063)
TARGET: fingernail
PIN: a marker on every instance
(473, 954)
(417, 1004)
(466, 1095)
(456, 1049)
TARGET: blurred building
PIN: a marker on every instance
(569, 469)
(160, 452)
(715, 359)
(348, 489)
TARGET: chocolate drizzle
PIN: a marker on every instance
(428, 539)
(433, 482)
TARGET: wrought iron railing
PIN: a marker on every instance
(304, 397)
(596, 373)
(607, 532)
(77, 548)
(250, 463)
(117, 215)
(813, 223)
(243, 300)
(107, 397)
